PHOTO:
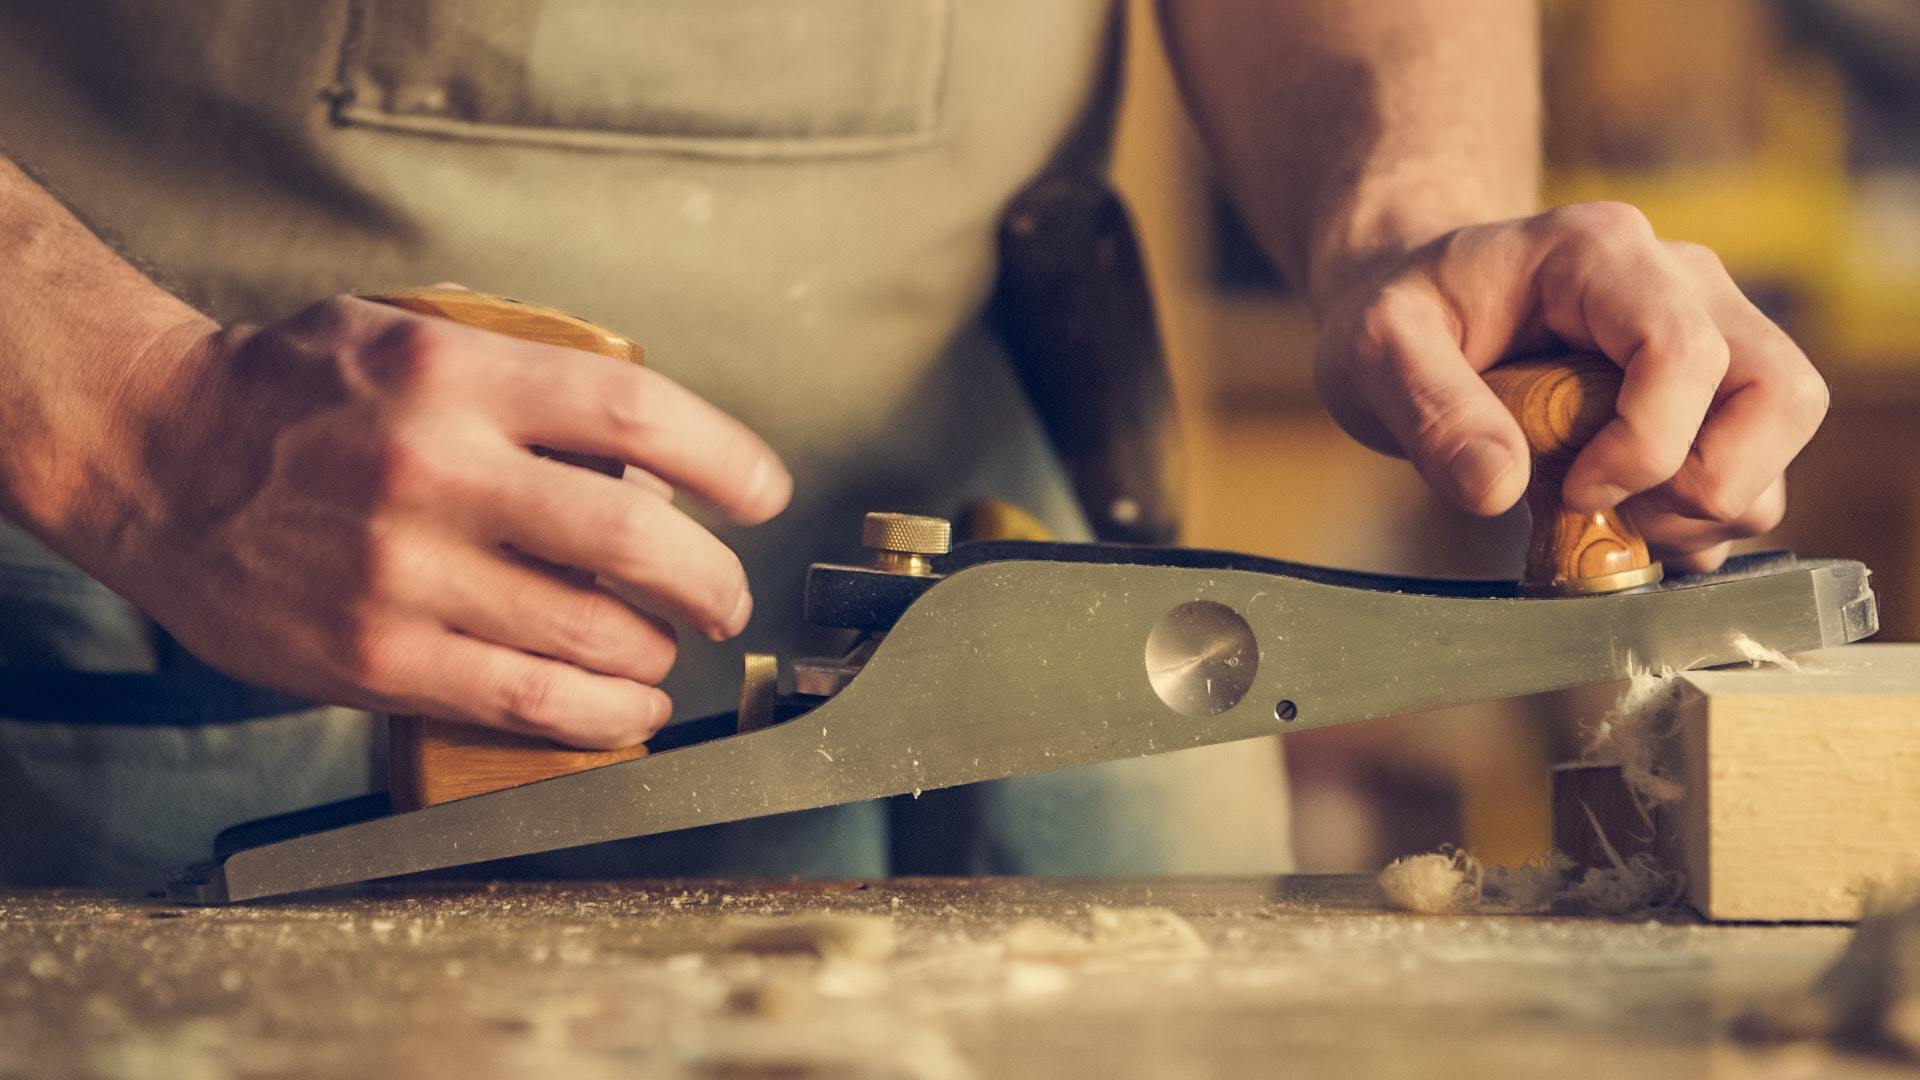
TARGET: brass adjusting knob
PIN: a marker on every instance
(901, 542)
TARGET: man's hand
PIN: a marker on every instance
(1366, 144)
(1716, 399)
(344, 505)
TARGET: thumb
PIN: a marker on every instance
(1445, 418)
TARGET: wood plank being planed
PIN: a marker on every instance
(1802, 788)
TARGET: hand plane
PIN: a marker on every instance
(990, 658)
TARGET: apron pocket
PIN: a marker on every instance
(723, 78)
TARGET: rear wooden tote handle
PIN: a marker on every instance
(435, 761)
(1562, 402)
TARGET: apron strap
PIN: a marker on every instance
(187, 693)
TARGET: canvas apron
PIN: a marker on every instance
(792, 203)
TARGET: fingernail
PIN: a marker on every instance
(661, 714)
(770, 486)
(736, 622)
(1477, 467)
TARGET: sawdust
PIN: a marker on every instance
(865, 939)
(1868, 1000)
(1337, 987)
(1451, 882)
(1129, 933)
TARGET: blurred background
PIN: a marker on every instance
(1783, 133)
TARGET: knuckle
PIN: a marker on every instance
(1657, 459)
(372, 656)
(1690, 338)
(628, 405)
(578, 626)
(328, 319)
(1807, 398)
(409, 353)
(529, 697)
(1664, 460)
(1698, 257)
(414, 465)
(646, 659)
(323, 316)
(1711, 500)
(1384, 321)
(628, 529)
(1602, 221)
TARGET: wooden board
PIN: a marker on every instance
(1803, 788)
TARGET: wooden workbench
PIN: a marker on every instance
(1305, 977)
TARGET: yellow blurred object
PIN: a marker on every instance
(1786, 214)
(992, 519)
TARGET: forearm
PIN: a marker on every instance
(80, 329)
(1351, 130)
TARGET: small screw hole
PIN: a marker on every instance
(1286, 711)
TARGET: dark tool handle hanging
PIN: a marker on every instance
(1562, 402)
(1076, 313)
(435, 761)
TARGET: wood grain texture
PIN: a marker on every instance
(1586, 795)
(1802, 789)
(528, 322)
(1562, 403)
(434, 761)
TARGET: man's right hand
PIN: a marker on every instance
(343, 505)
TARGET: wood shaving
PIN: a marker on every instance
(1625, 886)
(1629, 735)
(866, 939)
(1455, 883)
(1133, 933)
(1440, 883)
(1759, 655)
(1531, 886)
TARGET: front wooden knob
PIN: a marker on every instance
(1562, 403)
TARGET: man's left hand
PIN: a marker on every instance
(1715, 402)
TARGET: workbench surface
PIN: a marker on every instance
(1301, 976)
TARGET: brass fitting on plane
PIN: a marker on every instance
(901, 543)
